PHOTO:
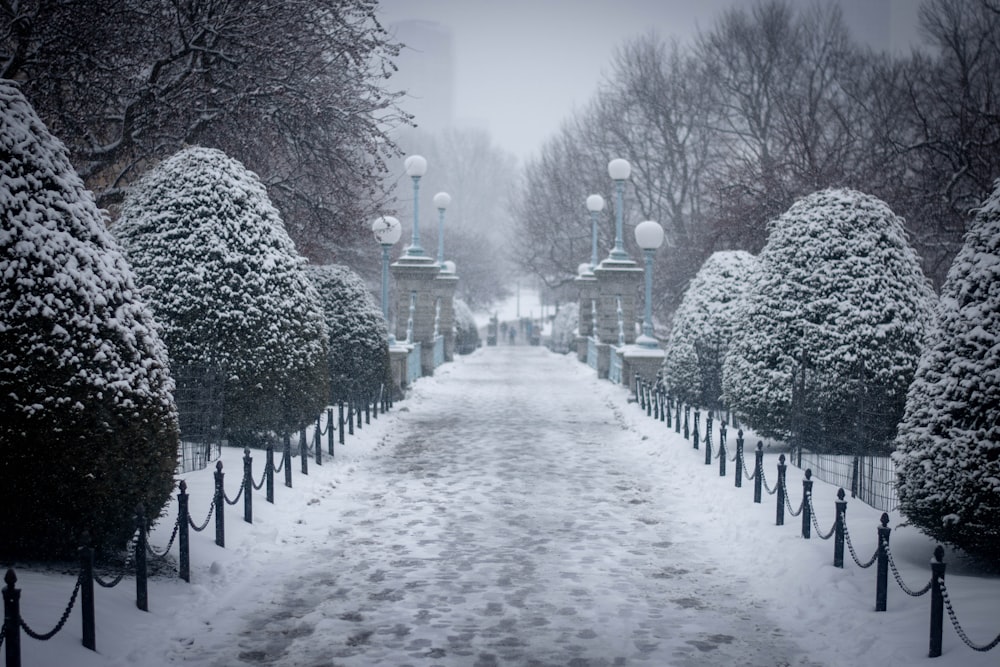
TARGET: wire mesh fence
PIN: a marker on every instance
(199, 397)
(871, 479)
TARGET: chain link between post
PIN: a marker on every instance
(854, 555)
(899, 579)
(819, 532)
(203, 526)
(958, 628)
(62, 621)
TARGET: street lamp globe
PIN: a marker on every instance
(415, 165)
(448, 267)
(442, 200)
(595, 203)
(387, 230)
(649, 235)
(619, 169)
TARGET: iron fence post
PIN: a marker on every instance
(318, 440)
(838, 537)
(350, 417)
(329, 431)
(340, 422)
(303, 452)
(807, 487)
(882, 571)
(87, 594)
(247, 485)
(220, 505)
(782, 471)
(739, 459)
(141, 583)
(854, 478)
(937, 602)
(695, 436)
(183, 544)
(677, 416)
(708, 439)
(687, 411)
(269, 474)
(286, 457)
(368, 412)
(722, 449)
(12, 619)
(758, 469)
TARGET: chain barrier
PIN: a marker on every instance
(203, 526)
(899, 579)
(763, 478)
(263, 477)
(111, 583)
(982, 648)
(788, 503)
(746, 471)
(62, 621)
(162, 556)
(854, 555)
(819, 532)
(280, 465)
(238, 495)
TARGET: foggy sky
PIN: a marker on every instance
(521, 67)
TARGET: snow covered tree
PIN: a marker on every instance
(229, 288)
(565, 327)
(705, 320)
(681, 375)
(466, 331)
(358, 344)
(831, 326)
(948, 446)
(89, 427)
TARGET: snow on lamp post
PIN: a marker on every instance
(649, 237)
(441, 201)
(619, 170)
(595, 204)
(387, 231)
(416, 166)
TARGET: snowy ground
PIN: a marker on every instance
(515, 510)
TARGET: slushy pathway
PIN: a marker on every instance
(503, 528)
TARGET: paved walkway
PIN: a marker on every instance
(506, 530)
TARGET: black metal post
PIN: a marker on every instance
(329, 431)
(183, 537)
(687, 411)
(695, 434)
(350, 417)
(340, 422)
(722, 449)
(368, 412)
(807, 488)
(677, 417)
(247, 485)
(87, 594)
(739, 459)
(780, 512)
(708, 439)
(220, 505)
(269, 474)
(303, 452)
(854, 478)
(286, 457)
(937, 601)
(359, 411)
(141, 584)
(838, 535)
(882, 572)
(12, 619)
(319, 441)
(758, 470)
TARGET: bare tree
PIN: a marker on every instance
(295, 90)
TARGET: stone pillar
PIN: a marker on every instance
(416, 275)
(615, 279)
(444, 289)
(641, 362)
(586, 283)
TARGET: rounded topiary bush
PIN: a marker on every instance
(88, 428)
(358, 343)
(948, 445)
(704, 324)
(229, 288)
(466, 331)
(831, 326)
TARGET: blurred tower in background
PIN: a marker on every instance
(426, 72)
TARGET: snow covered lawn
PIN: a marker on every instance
(339, 508)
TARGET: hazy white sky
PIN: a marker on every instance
(520, 67)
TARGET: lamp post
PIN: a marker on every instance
(387, 231)
(649, 237)
(441, 201)
(416, 166)
(595, 204)
(619, 170)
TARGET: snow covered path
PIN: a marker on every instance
(501, 529)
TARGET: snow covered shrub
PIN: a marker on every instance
(948, 446)
(705, 324)
(565, 326)
(466, 331)
(358, 349)
(88, 427)
(225, 281)
(839, 309)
